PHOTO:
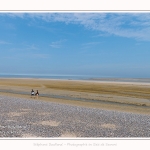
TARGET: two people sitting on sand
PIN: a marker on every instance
(36, 94)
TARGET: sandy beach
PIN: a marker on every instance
(111, 95)
(67, 108)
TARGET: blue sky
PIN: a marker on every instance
(95, 44)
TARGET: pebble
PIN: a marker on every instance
(20, 117)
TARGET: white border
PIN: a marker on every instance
(30, 6)
(74, 5)
(106, 143)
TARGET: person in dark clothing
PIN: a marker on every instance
(37, 94)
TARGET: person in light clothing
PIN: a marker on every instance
(32, 93)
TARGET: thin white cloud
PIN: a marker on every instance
(23, 47)
(4, 42)
(14, 15)
(90, 44)
(31, 47)
(130, 25)
(57, 44)
(43, 56)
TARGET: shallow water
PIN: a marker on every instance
(75, 98)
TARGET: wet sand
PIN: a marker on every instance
(127, 96)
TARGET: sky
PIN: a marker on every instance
(67, 43)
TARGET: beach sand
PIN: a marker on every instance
(110, 95)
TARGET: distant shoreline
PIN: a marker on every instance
(122, 79)
(133, 81)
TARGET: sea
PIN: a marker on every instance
(76, 77)
(39, 76)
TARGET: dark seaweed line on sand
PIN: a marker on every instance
(75, 99)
